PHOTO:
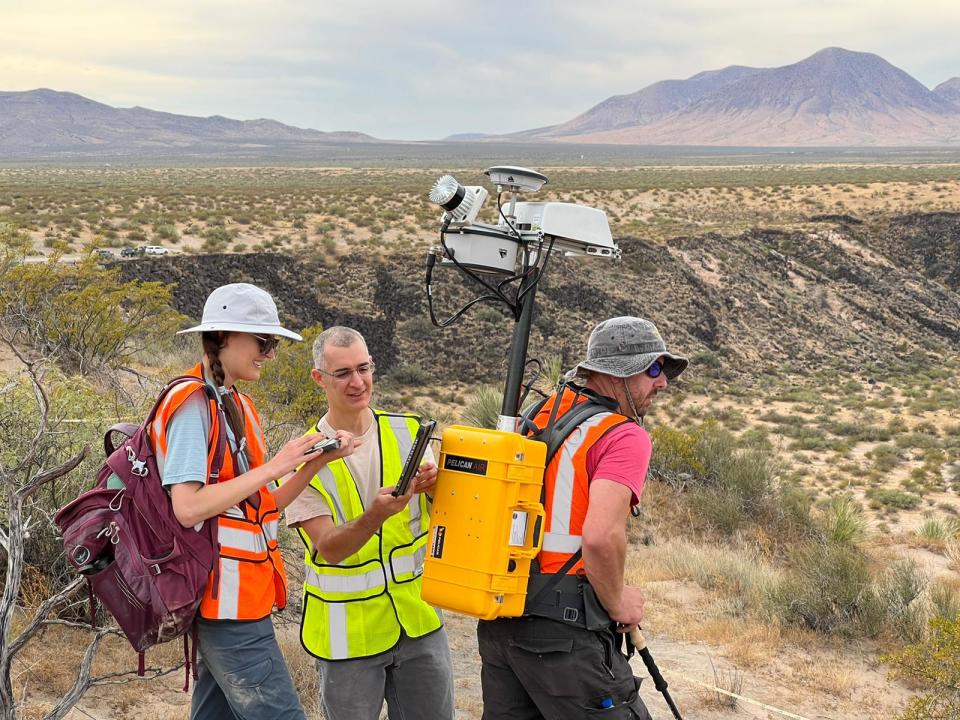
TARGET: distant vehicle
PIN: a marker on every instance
(131, 252)
(155, 250)
(104, 253)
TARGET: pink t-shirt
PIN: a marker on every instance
(622, 456)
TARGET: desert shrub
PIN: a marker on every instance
(898, 590)
(410, 375)
(934, 664)
(675, 458)
(730, 484)
(944, 601)
(14, 242)
(418, 328)
(831, 587)
(830, 590)
(483, 407)
(893, 498)
(706, 359)
(83, 314)
(217, 239)
(167, 232)
(938, 531)
(844, 521)
(79, 413)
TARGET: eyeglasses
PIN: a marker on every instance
(656, 367)
(344, 374)
(267, 344)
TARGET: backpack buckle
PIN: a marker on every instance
(137, 466)
(156, 568)
(571, 614)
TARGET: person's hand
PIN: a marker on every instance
(348, 443)
(425, 479)
(386, 505)
(294, 454)
(629, 613)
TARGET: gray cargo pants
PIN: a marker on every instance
(540, 669)
(415, 677)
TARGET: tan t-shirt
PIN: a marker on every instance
(364, 466)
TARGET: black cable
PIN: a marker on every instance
(496, 293)
(505, 218)
(528, 386)
(540, 272)
(465, 270)
(431, 262)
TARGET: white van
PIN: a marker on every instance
(155, 250)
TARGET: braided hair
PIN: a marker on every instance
(213, 341)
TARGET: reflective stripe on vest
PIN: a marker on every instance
(248, 578)
(567, 486)
(359, 606)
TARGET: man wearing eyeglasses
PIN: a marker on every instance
(562, 658)
(374, 638)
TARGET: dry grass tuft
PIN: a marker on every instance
(729, 680)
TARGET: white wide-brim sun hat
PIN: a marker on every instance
(241, 307)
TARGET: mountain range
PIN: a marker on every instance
(46, 121)
(833, 97)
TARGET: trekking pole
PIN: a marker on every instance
(640, 644)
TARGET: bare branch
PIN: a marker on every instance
(34, 370)
(121, 678)
(40, 616)
(47, 475)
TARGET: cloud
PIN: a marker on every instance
(427, 68)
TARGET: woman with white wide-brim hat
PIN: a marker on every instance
(241, 671)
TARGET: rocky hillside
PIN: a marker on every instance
(648, 105)
(844, 295)
(43, 121)
(949, 90)
(834, 97)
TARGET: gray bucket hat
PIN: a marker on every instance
(626, 346)
(241, 307)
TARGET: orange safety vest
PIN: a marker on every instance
(248, 578)
(566, 483)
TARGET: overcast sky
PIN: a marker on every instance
(423, 69)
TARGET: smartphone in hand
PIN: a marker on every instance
(326, 445)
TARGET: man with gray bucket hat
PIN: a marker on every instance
(561, 659)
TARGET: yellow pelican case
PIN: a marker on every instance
(486, 523)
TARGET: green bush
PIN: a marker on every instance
(893, 498)
(83, 315)
(830, 590)
(934, 664)
(730, 485)
(410, 375)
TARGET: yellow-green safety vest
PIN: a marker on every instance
(358, 607)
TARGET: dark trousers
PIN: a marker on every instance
(539, 669)
(241, 674)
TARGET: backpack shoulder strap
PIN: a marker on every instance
(216, 419)
(557, 430)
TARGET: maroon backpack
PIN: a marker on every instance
(148, 570)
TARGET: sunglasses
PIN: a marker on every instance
(267, 344)
(656, 367)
